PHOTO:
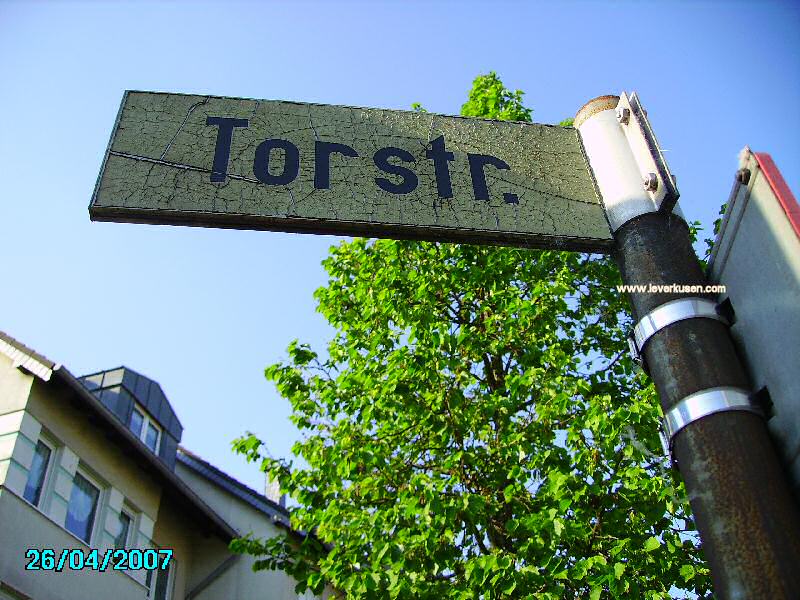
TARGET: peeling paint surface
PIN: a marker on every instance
(159, 163)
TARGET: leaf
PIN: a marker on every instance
(619, 569)
(558, 527)
(561, 575)
(652, 543)
(687, 572)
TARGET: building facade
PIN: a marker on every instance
(94, 463)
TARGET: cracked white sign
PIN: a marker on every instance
(285, 166)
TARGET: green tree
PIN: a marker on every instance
(489, 99)
(477, 429)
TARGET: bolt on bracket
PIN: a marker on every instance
(658, 181)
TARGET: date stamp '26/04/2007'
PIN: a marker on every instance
(76, 559)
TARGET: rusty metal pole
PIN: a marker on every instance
(744, 510)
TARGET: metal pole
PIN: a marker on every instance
(747, 517)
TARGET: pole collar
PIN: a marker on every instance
(703, 403)
(668, 313)
(594, 106)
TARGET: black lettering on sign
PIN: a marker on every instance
(440, 156)
(409, 178)
(291, 162)
(322, 161)
(222, 151)
(478, 173)
(322, 158)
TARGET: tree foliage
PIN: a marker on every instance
(476, 430)
(489, 99)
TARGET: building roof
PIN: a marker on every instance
(174, 487)
(25, 357)
(277, 513)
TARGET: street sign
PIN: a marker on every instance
(756, 256)
(212, 161)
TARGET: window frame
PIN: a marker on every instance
(146, 430)
(130, 421)
(155, 576)
(128, 542)
(46, 475)
(147, 421)
(98, 509)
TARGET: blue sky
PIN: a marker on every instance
(204, 311)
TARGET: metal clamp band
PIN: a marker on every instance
(668, 313)
(703, 403)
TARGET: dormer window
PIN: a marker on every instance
(141, 406)
(145, 428)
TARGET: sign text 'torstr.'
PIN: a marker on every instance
(285, 166)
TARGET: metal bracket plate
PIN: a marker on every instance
(703, 403)
(647, 153)
(668, 313)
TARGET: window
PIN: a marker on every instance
(36, 474)
(145, 428)
(121, 541)
(151, 437)
(82, 507)
(137, 420)
(163, 580)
